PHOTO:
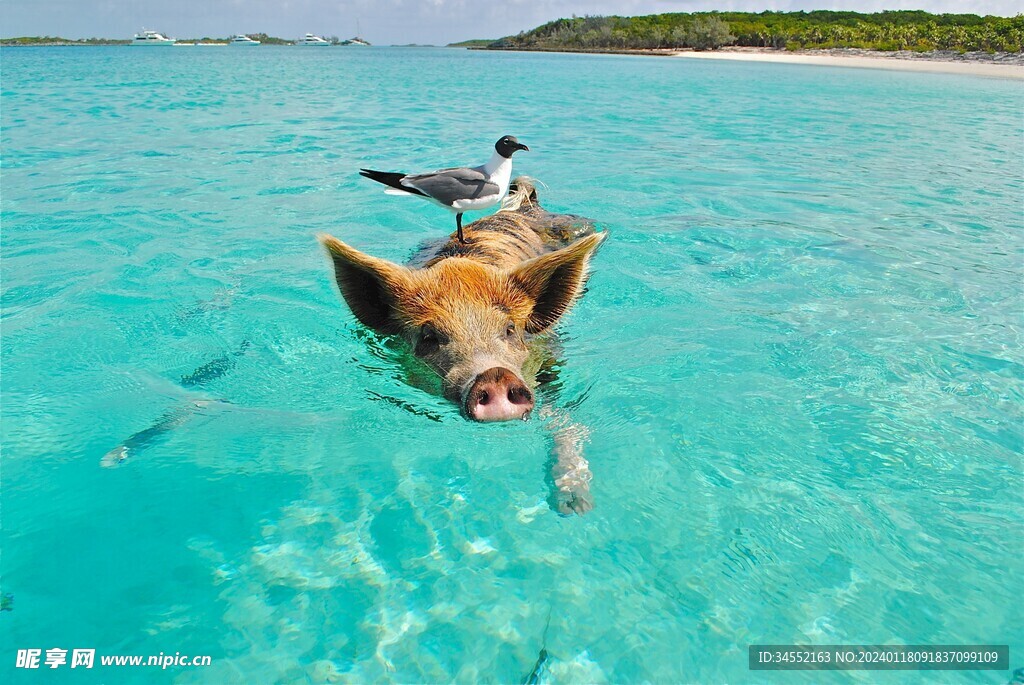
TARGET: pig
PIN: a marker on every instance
(480, 313)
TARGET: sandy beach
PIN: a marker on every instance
(865, 61)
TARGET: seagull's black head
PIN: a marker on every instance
(507, 146)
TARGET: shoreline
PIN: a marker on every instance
(1000, 65)
(1009, 67)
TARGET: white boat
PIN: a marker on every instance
(151, 38)
(310, 39)
(355, 41)
(242, 39)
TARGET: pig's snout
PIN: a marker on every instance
(498, 395)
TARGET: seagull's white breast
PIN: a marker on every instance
(499, 171)
(477, 203)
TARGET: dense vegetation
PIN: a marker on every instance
(896, 30)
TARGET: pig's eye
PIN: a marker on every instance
(430, 339)
(510, 330)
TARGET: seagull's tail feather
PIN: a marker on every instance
(389, 178)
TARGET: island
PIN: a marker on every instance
(905, 30)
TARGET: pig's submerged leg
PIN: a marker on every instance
(138, 441)
(177, 416)
(569, 470)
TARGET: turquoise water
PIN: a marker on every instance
(799, 364)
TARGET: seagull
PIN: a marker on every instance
(459, 190)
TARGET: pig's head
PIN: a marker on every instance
(468, 321)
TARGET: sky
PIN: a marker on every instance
(385, 22)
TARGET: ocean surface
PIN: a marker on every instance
(798, 362)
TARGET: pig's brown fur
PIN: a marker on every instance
(468, 298)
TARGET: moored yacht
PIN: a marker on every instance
(310, 39)
(151, 38)
(242, 39)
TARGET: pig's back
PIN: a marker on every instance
(508, 237)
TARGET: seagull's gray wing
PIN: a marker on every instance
(448, 186)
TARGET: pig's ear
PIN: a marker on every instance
(555, 280)
(370, 286)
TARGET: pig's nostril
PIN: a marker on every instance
(519, 395)
(498, 395)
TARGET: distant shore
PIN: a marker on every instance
(995, 65)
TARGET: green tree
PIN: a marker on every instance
(708, 33)
(899, 30)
